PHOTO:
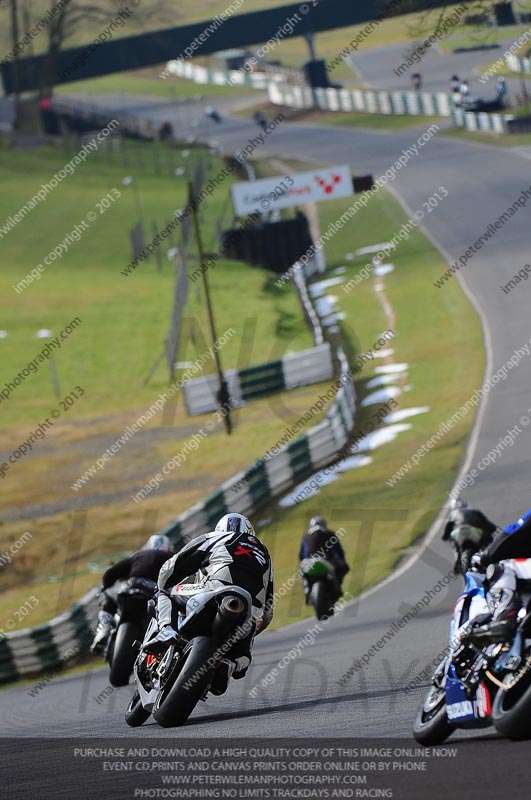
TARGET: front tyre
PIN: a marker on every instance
(511, 710)
(175, 704)
(124, 655)
(431, 725)
(136, 714)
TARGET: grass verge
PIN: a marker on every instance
(496, 139)
(148, 82)
(345, 119)
(441, 342)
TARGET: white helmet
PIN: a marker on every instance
(458, 502)
(159, 541)
(236, 523)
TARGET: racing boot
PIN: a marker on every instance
(99, 643)
(235, 666)
(160, 643)
(222, 676)
(166, 635)
(501, 627)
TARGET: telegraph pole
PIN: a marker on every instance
(16, 66)
(223, 394)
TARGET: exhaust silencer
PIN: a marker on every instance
(231, 605)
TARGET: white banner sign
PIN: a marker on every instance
(292, 190)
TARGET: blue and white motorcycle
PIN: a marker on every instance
(475, 687)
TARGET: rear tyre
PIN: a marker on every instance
(136, 714)
(511, 710)
(431, 725)
(320, 599)
(124, 655)
(174, 705)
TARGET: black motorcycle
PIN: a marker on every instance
(130, 623)
(260, 120)
(213, 115)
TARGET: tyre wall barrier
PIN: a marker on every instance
(293, 370)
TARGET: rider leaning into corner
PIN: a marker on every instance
(506, 560)
(467, 526)
(232, 554)
(145, 563)
(319, 540)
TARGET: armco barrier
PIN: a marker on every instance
(372, 102)
(293, 370)
(48, 647)
(234, 77)
(481, 121)
(289, 462)
(364, 100)
(517, 64)
(96, 118)
(44, 649)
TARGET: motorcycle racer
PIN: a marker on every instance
(507, 560)
(145, 563)
(231, 554)
(469, 530)
(319, 540)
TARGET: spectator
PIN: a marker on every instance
(49, 119)
(165, 131)
(501, 90)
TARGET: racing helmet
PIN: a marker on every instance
(317, 522)
(458, 502)
(159, 541)
(235, 523)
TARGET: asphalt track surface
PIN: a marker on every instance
(377, 68)
(306, 699)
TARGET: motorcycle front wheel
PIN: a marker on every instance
(511, 710)
(181, 694)
(136, 714)
(431, 726)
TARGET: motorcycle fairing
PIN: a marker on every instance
(459, 707)
(196, 597)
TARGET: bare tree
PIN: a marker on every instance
(14, 40)
(65, 21)
(480, 31)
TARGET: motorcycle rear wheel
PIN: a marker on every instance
(176, 702)
(320, 599)
(124, 655)
(431, 726)
(136, 714)
(511, 710)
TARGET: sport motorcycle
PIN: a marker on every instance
(209, 621)
(129, 625)
(476, 686)
(320, 585)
